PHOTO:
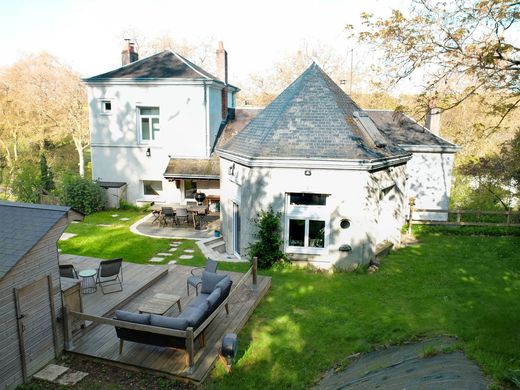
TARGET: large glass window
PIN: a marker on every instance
(190, 189)
(151, 187)
(306, 225)
(149, 125)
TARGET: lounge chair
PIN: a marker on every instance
(108, 274)
(68, 271)
(196, 275)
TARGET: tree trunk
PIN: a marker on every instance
(79, 148)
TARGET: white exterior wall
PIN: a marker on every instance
(354, 195)
(215, 113)
(187, 121)
(429, 182)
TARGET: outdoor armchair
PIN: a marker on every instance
(68, 271)
(109, 273)
(196, 275)
(168, 215)
(181, 213)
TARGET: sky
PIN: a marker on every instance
(88, 34)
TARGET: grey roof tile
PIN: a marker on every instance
(311, 119)
(21, 227)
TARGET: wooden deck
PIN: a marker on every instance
(100, 340)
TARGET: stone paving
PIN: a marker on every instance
(60, 374)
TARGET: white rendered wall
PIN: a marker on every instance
(186, 115)
(429, 182)
(354, 195)
(215, 112)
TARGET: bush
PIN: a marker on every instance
(82, 194)
(26, 185)
(267, 248)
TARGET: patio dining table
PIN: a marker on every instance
(194, 210)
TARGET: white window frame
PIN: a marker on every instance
(150, 118)
(307, 213)
(151, 197)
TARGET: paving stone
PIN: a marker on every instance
(51, 372)
(172, 262)
(71, 378)
(186, 257)
(156, 259)
(66, 236)
(189, 250)
(124, 219)
(164, 254)
(174, 244)
(115, 215)
(74, 221)
(173, 249)
(103, 225)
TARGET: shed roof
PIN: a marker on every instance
(164, 65)
(312, 119)
(408, 134)
(193, 169)
(22, 226)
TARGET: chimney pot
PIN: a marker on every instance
(433, 117)
(128, 55)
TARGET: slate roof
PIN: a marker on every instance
(164, 65)
(22, 226)
(312, 119)
(407, 133)
(193, 168)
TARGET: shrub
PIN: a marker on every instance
(268, 247)
(46, 175)
(82, 194)
(26, 184)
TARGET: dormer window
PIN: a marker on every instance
(148, 122)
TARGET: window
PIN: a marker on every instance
(152, 187)
(190, 189)
(106, 106)
(148, 124)
(306, 223)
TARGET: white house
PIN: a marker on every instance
(154, 123)
(336, 173)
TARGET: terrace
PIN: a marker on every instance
(141, 282)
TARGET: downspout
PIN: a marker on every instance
(206, 118)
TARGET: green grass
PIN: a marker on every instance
(117, 240)
(468, 287)
(451, 284)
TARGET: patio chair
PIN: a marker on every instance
(68, 271)
(108, 274)
(167, 215)
(181, 213)
(196, 275)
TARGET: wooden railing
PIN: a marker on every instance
(189, 334)
(478, 217)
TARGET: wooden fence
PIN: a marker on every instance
(467, 217)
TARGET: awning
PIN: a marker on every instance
(193, 169)
(111, 184)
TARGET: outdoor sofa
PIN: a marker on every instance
(214, 290)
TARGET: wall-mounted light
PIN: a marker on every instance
(148, 152)
(308, 172)
(231, 169)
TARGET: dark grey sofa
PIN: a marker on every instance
(215, 289)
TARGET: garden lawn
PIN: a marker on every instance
(116, 240)
(466, 286)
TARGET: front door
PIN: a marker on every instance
(236, 229)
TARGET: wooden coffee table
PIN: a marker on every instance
(160, 304)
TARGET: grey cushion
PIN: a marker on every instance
(209, 281)
(213, 298)
(195, 315)
(133, 317)
(169, 322)
(224, 283)
(201, 301)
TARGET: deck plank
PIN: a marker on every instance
(101, 341)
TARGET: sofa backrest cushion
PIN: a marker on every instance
(209, 281)
(224, 285)
(195, 315)
(169, 322)
(213, 298)
(133, 317)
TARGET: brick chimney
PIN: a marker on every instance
(433, 117)
(128, 54)
(222, 74)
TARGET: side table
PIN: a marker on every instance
(88, 281)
